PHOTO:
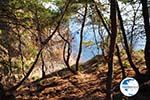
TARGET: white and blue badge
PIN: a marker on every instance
(129, 86)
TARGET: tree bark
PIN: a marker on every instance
(81, 38)
(111, 47)
(120, 62)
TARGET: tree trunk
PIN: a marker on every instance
(81, 38)
(111, 48)
(120, 62)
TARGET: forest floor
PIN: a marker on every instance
(88, 84)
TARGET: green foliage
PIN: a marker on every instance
(20, 20)
(126, 64)
(122, 52)
(88, 43)
(81, 67)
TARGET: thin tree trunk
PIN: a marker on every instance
(111, 48)
(120, 62)
(81, 38)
